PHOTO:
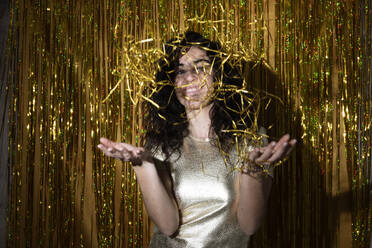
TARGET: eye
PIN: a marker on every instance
(203, 69)
(180, 72)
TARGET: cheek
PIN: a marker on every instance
(178, 84)
(178, 87)
(178, 91)
(209, 83)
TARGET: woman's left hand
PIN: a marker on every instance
(273, 152)
(254, 188)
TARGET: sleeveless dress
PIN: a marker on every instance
(205, 191)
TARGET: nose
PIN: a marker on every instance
(190, 75)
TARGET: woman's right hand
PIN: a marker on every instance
(124, 152)
(156, 186)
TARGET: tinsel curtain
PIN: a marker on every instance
(75, 75)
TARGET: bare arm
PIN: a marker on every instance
(155, 185)
(254, 192)
(254, 188)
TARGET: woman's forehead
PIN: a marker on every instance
(193, 55)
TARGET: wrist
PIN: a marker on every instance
(256, 170)
(141, 158)
(145, 168)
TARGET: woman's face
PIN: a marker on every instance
(194, 79)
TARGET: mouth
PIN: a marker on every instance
(191, 90)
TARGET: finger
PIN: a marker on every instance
(136, 153)
(128, 151)
(112, 149)
(110, 145)
(253, 155)
(109, 152)
(121, 151)
(292, 144)
(125, 147)
(284, 139)
(263, 149)
(120, 147)
(139, 151)
(104, 141)
(101, 147)
(279, 153)
(267, 153)
(139, 155)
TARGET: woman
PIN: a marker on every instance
(191, 195)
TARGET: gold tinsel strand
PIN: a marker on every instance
(81, 71)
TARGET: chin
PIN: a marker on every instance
(192, 106)
(196, 105)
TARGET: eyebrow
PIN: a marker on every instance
(196, 61)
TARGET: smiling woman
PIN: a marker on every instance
(188, 186)
(194, 79)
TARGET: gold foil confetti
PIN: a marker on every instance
(80, 71)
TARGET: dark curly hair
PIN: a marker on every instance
(167, 125)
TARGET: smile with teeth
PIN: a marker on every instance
(192, 93)
(191, 90)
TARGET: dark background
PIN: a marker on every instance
(4, 101)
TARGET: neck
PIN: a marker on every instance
(199, 122)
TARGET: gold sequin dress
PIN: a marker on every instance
(205, 190)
